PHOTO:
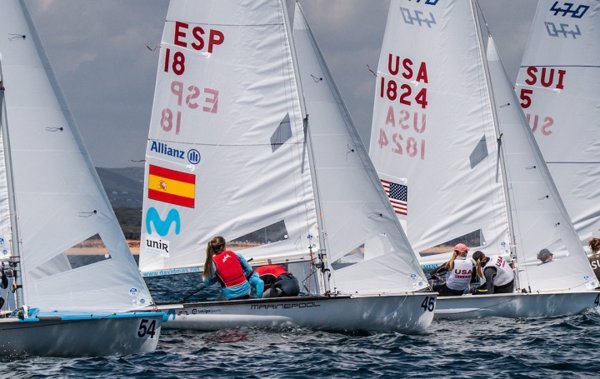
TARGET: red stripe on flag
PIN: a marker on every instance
(172, 174)
(171, 199)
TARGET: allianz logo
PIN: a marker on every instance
(192, 155)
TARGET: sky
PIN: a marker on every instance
(103, 54)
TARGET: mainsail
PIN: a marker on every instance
(559, 90)
(234, 150)
(59, 200)
(433, 132)
(226, 147)
(472, 164)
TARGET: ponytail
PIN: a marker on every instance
(478, 268)
(595, 245)
(450, 263)
(214, 246)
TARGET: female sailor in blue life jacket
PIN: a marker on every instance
(231, 270)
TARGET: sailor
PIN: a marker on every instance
(545, 256)
(231, 270)
(460, 273)
(3, 284)
(278, 281)
(594, 258)
(498, 273)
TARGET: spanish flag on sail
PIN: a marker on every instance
(170, 186)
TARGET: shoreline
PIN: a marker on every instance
(134, 248)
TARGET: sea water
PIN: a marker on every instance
(564, 347)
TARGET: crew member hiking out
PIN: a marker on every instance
(278, 281)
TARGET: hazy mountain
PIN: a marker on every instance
(124, 186)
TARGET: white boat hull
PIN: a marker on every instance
(65, 335)
(515, 305)
(408, 313)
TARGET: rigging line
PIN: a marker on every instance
(220, 24)
(563, 65)
(574, 162)
(229, 145)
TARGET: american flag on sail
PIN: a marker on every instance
(398, 195)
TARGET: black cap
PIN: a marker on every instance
(478, 255)
(544, 254)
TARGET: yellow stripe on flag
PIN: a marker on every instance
(170, 186)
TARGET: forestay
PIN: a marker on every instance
(58, 196)
(559, 90)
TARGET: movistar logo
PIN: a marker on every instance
(192, 155)
(161, 226)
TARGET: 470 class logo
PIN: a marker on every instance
(192, 155)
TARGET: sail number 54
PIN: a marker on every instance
(146, 328)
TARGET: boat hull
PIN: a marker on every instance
(408, 313)
(515, 305)
(69, 335)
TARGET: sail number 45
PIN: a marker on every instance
(146, 328)
(428, 304)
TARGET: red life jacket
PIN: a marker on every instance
(269, 274)
(229, 268)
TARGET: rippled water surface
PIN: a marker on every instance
(564, 347)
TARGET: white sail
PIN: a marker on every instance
(475, 165)
(540, 220)
(559, 90)
(261, 164)
(227, 126)
(357, 218)
(433, 133)
(59, 198)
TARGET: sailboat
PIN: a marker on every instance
(249, 139)
(559, 90)
(448, 128)
(51, 200)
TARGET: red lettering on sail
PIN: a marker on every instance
(395, 64)
(193, 96)
(539, 124)
(197, 40)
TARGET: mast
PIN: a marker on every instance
(15, 246)
(322, 254)
(501, 162)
